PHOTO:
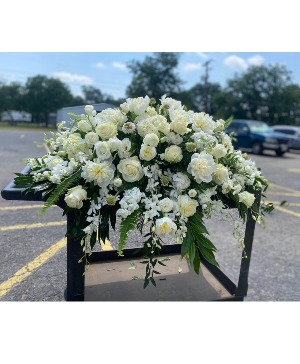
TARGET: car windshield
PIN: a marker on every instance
(259, 126)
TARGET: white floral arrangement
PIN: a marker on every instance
(150, 165)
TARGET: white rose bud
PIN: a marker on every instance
(117, 182)
(219, 151)
(173, 154)
(186, 205)
(89, 109)
(75, 196)
(147, 153)
(151, 139)
(165, 226)
(192, 193)
(246, 198)
(220, 175)
(84, 125)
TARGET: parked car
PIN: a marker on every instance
(293, 132)
(257, 136)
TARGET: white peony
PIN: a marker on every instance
(106, 130)
(101, 173)
(187, 206)
(246, 198)
(220, 175)
(151, 139)
(202, 166)
(173, 154)
(75, 196)
(203, 122)
(166, 204)
(131, 169)
(181, 181)
(147, 153)
(219, 151)
(165, 226)
(102, 150)
(138, 105)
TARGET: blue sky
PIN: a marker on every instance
(108, 72)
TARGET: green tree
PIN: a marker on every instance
(257, 93)
(155, 76)
(11, 97)
(44, 95)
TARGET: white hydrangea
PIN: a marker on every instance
(180, 181)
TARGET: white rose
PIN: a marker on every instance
(181, 181)
(246, 198)
(114, 144)
(131, 169)
(124, 107)
(173, 154)
(91, 138)
(75, 196)
(220, 175)
(219, 151)
(102, 150)
(138, 105)
(147, 153)
(89, 109)
(165, 226)
(202, 166)
(187, 206)
(84, 125)
(117, 182)
(151, 139)
(106, 130)
(101, 173)
(166, 204)
(113, 115)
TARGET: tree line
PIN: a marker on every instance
(262, 92)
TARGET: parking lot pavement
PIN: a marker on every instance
(33, 253)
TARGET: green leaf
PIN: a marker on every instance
(209, 256)
(146, 282)
(197, 262)
(128, 224)
(205, 242)
(192, 253)
(60, 190)
(228, 122)
(196, 219)
(187, 241)
(153, 281)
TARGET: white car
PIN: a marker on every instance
(292, 131)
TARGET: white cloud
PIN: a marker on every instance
(236, 63)
(192, 67)
(202, 55)
(73, 78)
(100, 65)
(255, 60)
(119, 65)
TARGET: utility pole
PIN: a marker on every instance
(206, 96)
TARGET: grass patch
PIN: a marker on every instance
(26, 126)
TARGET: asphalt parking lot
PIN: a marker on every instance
(33, 250)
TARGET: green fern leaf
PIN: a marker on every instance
(129, 223)
(60, 190)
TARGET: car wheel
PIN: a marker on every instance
(257, 148)
(279, 153)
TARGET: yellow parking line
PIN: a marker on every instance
(24, 272)
(295, 170)
(284, 188)
(297, 214)
(32, 226)
(294, 194)
(21, 207)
